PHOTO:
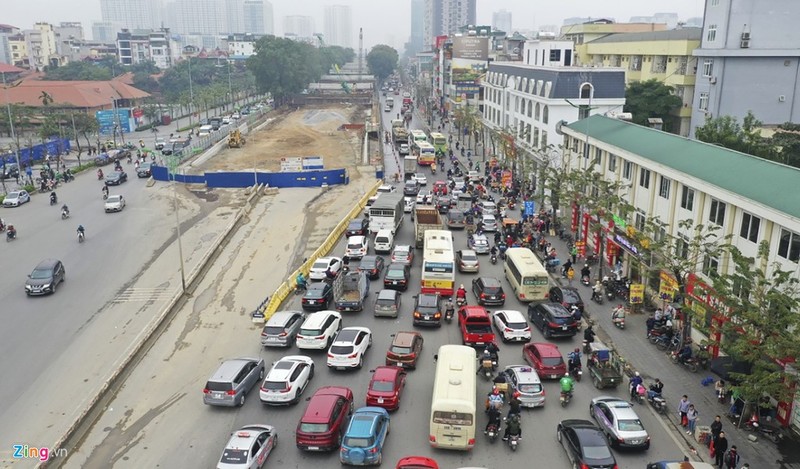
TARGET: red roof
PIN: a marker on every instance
(6, 68)
(80, 94)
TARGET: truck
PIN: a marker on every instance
(386, 213)
(350, 290)
(399, 131)
(215, 123)
(409, 166)
(425, 218)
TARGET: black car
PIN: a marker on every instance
(115, 178)
(553, 320)
(411, 187)
(397, 276)
(585, 444)
(567, 296)
(372, 266)
(102, 159)
(144, 170)
(9, 171)
(357, 227)
(318, 296)
(45, 277)
(427, 310)
(489, 291)
(443, 204)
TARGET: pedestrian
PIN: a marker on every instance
(574, 253)
(570, 275)
(720, 446)
(691, 415)
(683, 408)
(732, 458)
(716, 428)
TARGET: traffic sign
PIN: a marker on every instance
(530, 208)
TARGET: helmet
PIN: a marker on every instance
(577, 350)
(636, 374)
(495, 391)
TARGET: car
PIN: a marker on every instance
(319, 329)
(411, 188)
(511, 325)
(460, 181)
(236, 116)
(115, 178)
(409, 204)
(385, 387)
(365, 437)
(45, 277)
(479, 243)
(114, 203)
(403, 149)
(488, 291)
(144, 170)
(102, 159)
(9, 170)
(467, 260)
(386, 189)
(456, 219)
(397, 276)
(322, 265)
(348, 348)
(286, 380)
(524, 380)
(424, 197)
(488, 223)
(440, 188)
(16, 198)
(546, 359)
(566, 296)
(416, 462)
(159, 144)
(474, 176)
(443, 204)
(427, 310)
(486, 207)
(421, 179)
(387, 303)
(475, 326)
(617, 419)
(403, 254)
(387, 108)
(553, 320)
(405, 349)
(357, 227)
(282, 328)
(585, 445)
(231, 382)
(372, 266)
(357, 247)
(321, 427)
(318, 296)
(249, 447)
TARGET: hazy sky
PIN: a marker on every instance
(384, 21)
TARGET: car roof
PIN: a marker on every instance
(348, 334)
(244, 437)
(357, 239)
(473, 310)
(402, 247)
(387, 294)
(47, 264)
(405, 338)
(586, 431)
(555, 309)
(386, 373)
(427, 298)
(281, 317)
(468, 252)
(479, 237)
(490, 282)
(511, 314)
(229, 368)
(364, 420)
(326, 259)
(318, 286)
(623, 409)
(546, 349)
(524, 373)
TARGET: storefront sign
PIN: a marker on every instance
(699, 291)
(581, 247)
(611, 251)
(626, 244)
(574, 221)
(585, 228)
(637, 293)
(507, 177)
(667, 287)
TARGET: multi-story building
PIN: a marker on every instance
(416, 42)
(665, 56)
(747, 61)
(67, 34)
(6, 31)
(337, 25)
(446, 17)
(138, 46)
(200, 17)
(501, 20)
(19, 50)
(105, 31)
(241, 46)
(299, 27)
(132, 14)
(40, 46)
(258, 17)
(582, 33)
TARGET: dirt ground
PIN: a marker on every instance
(306, 132)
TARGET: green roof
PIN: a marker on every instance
(766, 182)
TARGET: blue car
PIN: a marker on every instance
(363, 442)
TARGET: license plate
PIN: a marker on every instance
(563, 328)
(218, 395)
(479, 343)
(427, 317)
(313, 448)
(380, 400)
(553, 376)
(394, 282)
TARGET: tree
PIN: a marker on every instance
(145, 82)
(382, 61)
(284, 67)
(725, 131)
(787, 142)
(46, 99)
(650, 99)
(83, 71)
(85, 125)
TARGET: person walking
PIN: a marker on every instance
(716, 428)
(683, 408)
(720, 447)
(691, 415)
(732, 458)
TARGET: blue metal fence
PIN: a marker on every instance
(56, 146)
(245, 179)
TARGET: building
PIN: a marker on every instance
(144, 45)
(200, 17)
(446, 17)
(241, 46)
(88, 96)
(298, 26)
(258, 17)
(132, 14)
(501, 20)
(747, 61)
(337, 26)
(105, 31)
(416, 42)
(36, 48)
(585, 32)
(665, 56)
(6, 31)
(68, 34)
(234, 16)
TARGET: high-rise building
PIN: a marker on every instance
(501, 20)
(416, 40)
(338, 26)
(144, 45)
(132, 14)
(199, 17)
(446, 17)
(105, 31)
(257, 17)
(298, 26)
(234, 16)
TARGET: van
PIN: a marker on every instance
(232, 380)
(384, 241)
(204, 130)
(456, 219)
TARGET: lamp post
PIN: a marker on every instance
(191, 92)
(172, 163)
(230, 86)
(11, 125)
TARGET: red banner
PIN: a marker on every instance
(585, 228)
(574, 224)
(596, 241)
(611, 251)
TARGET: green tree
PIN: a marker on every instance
(82, 71)
(382, 61)
(651, 99)
(787, 142)
(46, 99)
(726, 131)
(284, 67)
(145, 82)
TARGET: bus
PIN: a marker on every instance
(416, 135)
(526, 275)
(453, 407)
(438, 263)
(439, 142)
(427, 154)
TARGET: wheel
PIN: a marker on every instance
(596, 382)
(261, 375)
(241, 400)
(611, 441)
(692, 366)
(55, 284)
(661, 345)
(360, 363)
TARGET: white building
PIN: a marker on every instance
(501, 20)
(199, 17)
(138, 46)
(132, 14)
(242, 45)
(41, 47)
(338, 26)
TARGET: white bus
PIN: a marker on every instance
(526, 275)
(453, 405)
(438, 263)
(416, 135)
(427, 154)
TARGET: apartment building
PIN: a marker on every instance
(138, 46)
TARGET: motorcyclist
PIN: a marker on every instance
(574, 359)
(495, 418)
(300, 281)
(11, 232)
(2, 224)
(576, 313)
(99, 173)
(655, 389)
(65, 209)
(565, 267)
(513, 427)
(634, 384)
(449, 307)
(105, 190)
(588, 334)
(494, 400)
(567, 385)
(618, 313)
(461, 293)
(514, 405)
(492, 351)
(53, 198)
(585, 271)
(81, 230)
(685, 353)
(493, 251)
(597, 290)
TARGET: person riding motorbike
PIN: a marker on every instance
(588, 334)
(65, 209)
(493, 251)
(514, 405)
(492, 351)
(576, 313)
(574, 359)
(634, 383)
(685, 353)
(104, 190)
(495, 418)
(513, 427)
(598, 290)
(585, 271)
(461, 293)
(53, 198)
(300, 281)
(494, 399)
(655, 389)
(99, 173)
(449, 308)
(11, 232)
(2, 225)
(81, 231)
(618, 314)
(567, 385)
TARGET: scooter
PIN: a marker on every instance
(81, 237)
(99, 174)
(10, 235)
(586, 348)
(690, 363)
(640, 394)
(564, 398)
(64, 214)
(461, 302)
(658, 403)
(492, 431)
(585, 281)
(754, 425)
(53, 200)
(618, 316)
(576, 372)
(493, 259)
(513, 442)
(597, 298)
(448, 314)
(486, 368)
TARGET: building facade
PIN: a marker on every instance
(299, 27)
(139, 46)
(501, 20)
(201, 17)
(36, 48)
(6, 31)
(257, 17)
(132, 14)
(241, 46)
(447, 17)
(337, 26)
(105, 31)
(416, 42)
(748, 61)
(582, 33)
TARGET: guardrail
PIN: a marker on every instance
(287, 287)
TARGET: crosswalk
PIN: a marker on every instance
(143, 295)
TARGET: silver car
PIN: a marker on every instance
(488, 223)
(467, 260)
(479, 244)
(114, 203)
(524, 380)
(619, 422)
(387, 304)
(232, 381)
(281, 329)
(249, 447)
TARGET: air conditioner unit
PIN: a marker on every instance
(745, 36)
(745, 44)
(781, 99)
(713, 80)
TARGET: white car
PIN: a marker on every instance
(474, 176)
(322, 265)
(357, 247)
(512, 326)
(386, 188)
(349, 347)
(410, 203)
(236, 116)
(286, 380)
(249, 447)
(318, 330)
(421, 179)
(403, 149)
(487, 208)
(425, 197)
(16, 198)
(488, 223)
(114, 203)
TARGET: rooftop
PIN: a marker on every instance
(771, 184)
(77, 94)
(687, 34)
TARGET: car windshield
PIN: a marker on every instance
(274, 385)
(469, 257)
(530, 388)
(396, 273)
(341, 349)
(234, 456)
(400, 350)
(552, 361)
(320, 265)
(383, 386)
(478, 328)
(310, 332)
(314, 427)
(633, 425)
(560, 319)
(41, 274)
(368, 263)
(12, 195)
(114, 199)
(491, 290)
(596, 452)
(517, 325)
(273, 330)
(354, 245)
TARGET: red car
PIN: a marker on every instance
(385, 387)
(475, 325)
(416, 462)
(546, 359)
(323, 424)
(440, 188)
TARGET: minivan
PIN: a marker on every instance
(232, 381)
(204, 130)
(323, 423)
(318, 330)
(456, 219)
(384, 241)
(281, 329)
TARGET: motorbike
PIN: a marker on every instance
(586, 348)
(53, 200)
(658, 403)
(753, 424)
(64, 214)
(597, 298)
(81, 236)
(99, 174)
(690, 363)
(513, 442)
(105, 195)
(576, 372)
(564, 398)
(461, 302)
(585, 281)
(618, 317)
(486, 368)
(493, 259)
(492, 431)
(11, 235)
(640, 394)
(448, 314)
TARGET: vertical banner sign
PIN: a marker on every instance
(585, 228)
(667, 287)
(574, 224)
(611, 251)
(596, 241)
(637, 293)
(581, 247)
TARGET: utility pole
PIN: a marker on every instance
(11, 124)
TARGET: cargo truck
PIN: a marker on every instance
(350, 290)
(399, 131)
(409, 166)
(425, 218)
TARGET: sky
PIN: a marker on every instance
(384, 21)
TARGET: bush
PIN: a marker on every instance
(2, 197)
(30, 188)
(82, 167)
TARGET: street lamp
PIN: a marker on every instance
(11, 125)
(191, 92)
(172, 164)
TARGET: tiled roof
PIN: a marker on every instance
(78, 94)
(6, 68)
(766, 182)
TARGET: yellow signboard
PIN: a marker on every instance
(438, 284)
(667, 287)
(637, 293)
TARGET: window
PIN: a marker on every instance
(530, 108)
(663, 189)
(555, 55)
(544, 139)
(687, 198)
(682, 247)
(711, 35)
(703, 106)
(535, 137)
(586, 91)
(717, 214)
(750, 225)
(627, 169)
(714, 3)
(644, 178)
(708, 67)
(583, 112)
(536, 112)
(612, 163)
(789, 246)
(710, 266)
(639, 220)
(545, 114)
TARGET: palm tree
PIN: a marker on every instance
(46, 98)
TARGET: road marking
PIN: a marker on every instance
(136, 294)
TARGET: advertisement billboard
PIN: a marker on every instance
(107, 120)
(471, 47)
